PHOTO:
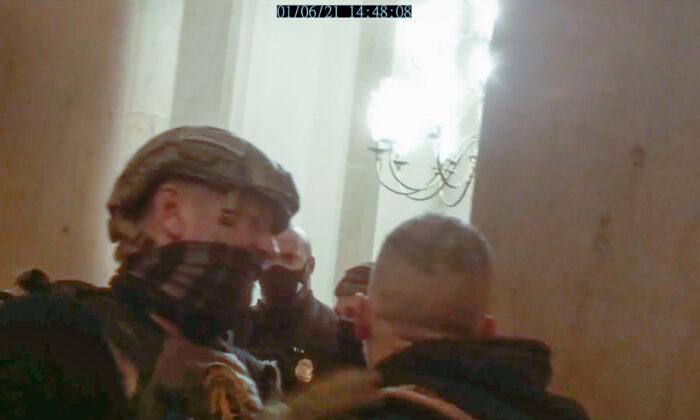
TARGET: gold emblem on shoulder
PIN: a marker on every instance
(228, 393)
(304, 370)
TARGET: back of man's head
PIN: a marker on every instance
(432, 279)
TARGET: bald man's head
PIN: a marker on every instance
(294, 248)
(432, 276)
(290, 270)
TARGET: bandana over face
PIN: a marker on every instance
(202, 287)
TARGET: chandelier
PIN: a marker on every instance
(454, 173)
(424, 103)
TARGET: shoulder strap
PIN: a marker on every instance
(414, 395)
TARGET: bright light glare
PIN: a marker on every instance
(397, 113)
(428, 88)
(480, 64)
(486, 12)
(427, 43)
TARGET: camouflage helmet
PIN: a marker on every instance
(206, 155)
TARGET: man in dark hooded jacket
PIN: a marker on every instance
(427, 334)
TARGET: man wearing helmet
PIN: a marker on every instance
(193, 216)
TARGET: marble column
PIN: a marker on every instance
(62, 79)
(361, 191)
(587, 187)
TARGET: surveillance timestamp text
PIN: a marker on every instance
(317, 11)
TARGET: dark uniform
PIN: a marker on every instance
(40, 333)
(180, 371)
(306, 339)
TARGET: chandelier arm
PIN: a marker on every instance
(409, 195)
(433, 181)
(428, 197)
(445, 179)
(463, 149)
(461, 196)
(426, 187)
(379, 178)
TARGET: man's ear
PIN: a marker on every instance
(363, 318)
(167, 209)
(488, 327)
(310, 266)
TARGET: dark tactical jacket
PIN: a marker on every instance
(489, 380)
(55, 363)
(170, 384)
(307, 330)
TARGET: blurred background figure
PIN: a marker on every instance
(353, 282)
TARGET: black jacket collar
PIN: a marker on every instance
(491, 379)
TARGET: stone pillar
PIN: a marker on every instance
(587, 187)
(361, 194)
(61, 103)
(153, 63)
(206, 59)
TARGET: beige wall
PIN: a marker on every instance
(61, 103)
(587, 188)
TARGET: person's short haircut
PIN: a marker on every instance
(433, 273)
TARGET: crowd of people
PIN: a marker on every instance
(198, 217)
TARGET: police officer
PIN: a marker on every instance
(193, 216)
(290, 325)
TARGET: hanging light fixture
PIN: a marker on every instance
(452, 173)
(426, 103)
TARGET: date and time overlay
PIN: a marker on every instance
(316, 11)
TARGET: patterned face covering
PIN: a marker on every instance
(202, 287)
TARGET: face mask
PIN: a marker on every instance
(280, 287)
(202, 287)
